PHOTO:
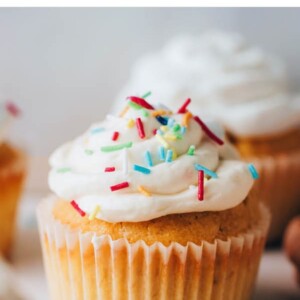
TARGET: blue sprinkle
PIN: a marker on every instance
(169, 156)
(162, 154)
(97, 130)
(171, 122)
(141, 169)
(183, 129)
(206, 171)
(253, 171)
(162, 120)
(148, 158)
(158, 131)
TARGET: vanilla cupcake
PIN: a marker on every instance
(12, 174)
(245, 89)
(151, 205)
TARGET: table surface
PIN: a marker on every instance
(276, 279)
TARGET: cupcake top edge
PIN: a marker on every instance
(149, 162)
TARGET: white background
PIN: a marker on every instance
(65, 66)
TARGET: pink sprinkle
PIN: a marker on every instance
(140, 127)
(154, 131)
(119, 186)
(200, 185)
(110, 169)
(115, 136)
(13, 109)
(75, 205)
(208, 131)
(182, 109)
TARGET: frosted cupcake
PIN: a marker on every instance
(245, 89)
(151, 205)
(12, 174)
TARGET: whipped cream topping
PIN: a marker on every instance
(78, 169)
(242, 86)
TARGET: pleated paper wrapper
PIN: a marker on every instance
(86, 266)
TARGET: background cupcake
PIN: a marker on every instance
(244, 88)
(12, 174)
(154, 205)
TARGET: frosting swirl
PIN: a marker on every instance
(242, 86)
(78, 168)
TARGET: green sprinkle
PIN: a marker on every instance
(88, 151)
(191, 150)
(116, 147)
(147, 95)
(176, 127)
(145, 113)
(134, 105)
(63, 170)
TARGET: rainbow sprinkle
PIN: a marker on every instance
(13, 109)
(109, 169)
(200, 185)
(171, 122)
(116, 147)
(94, 213)
(142, 190)
(186, 118)
(140, 102)
(176, 127)
(169, 156)
(63, 170)
(124, 111)
(183, 130)
(134, 105)
(130, 123)
(145, 113)
(206, 171)
(97, 130)
(162, 140)
(171, 137)
(191, 150)
(77, 208)
(162, 154)
(148, 158)
(146, 95)
(182, 109)
(141, 169)
(253, 171)
(115, 135)
(162, 120)
(159, 112)
(140, 128)
(119, 186)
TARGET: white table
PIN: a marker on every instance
(275, 280)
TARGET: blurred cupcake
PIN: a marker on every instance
(12, 174)
(246, 90)
(151, 205)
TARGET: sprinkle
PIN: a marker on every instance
(141, 102)
(115, 136)
(185, 119)
(162, 140)
(148, 158)
(142, 190)
(169, 156)
(183, 130)
(134, 105)
(125, 161)
(174, 154)
(253, 171)
(145, 113)
(13, 109)
(124, 111)
(171, 122)
(75, 205)
(154, 131)
(182, 109)
(94, 213)
(162, 120)
(191, 150)
(119, 186)
(63, 170)
(116, 147)
(200, 185)
(97, 130)
(130, 123)
(206, 171)
(141, 169)
(159, 131)
(146, 95)
(164, 128)
(140, 127)
(88, 151)
(176, 127)
(159, 112)
(208, 131)
(162, 154)
(109, 169)
(170, 137)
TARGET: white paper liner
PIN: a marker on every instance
(278, 187)
(87, 266)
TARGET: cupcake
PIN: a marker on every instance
(245, 89)
(151, 205)
(12, 174)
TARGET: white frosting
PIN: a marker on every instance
(173, 186)
(228, 79)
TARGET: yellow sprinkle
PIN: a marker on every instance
(124, 111)
(164, 128)
(144, 191)
(162, 141)
(159, 112)
(94, 213)
(185, 119)
(174, 156)
(130, 123)
(170, 137)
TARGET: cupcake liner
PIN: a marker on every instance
(86, 266)
(278, 186)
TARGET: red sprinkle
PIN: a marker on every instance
(182, 109)
(140, 127)
(119, 186)
(75, 205)
(140, 101)
(115, 136)
(200, 185)
(208, 131)
(110, 169)
(13, 109)
(154, 131)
